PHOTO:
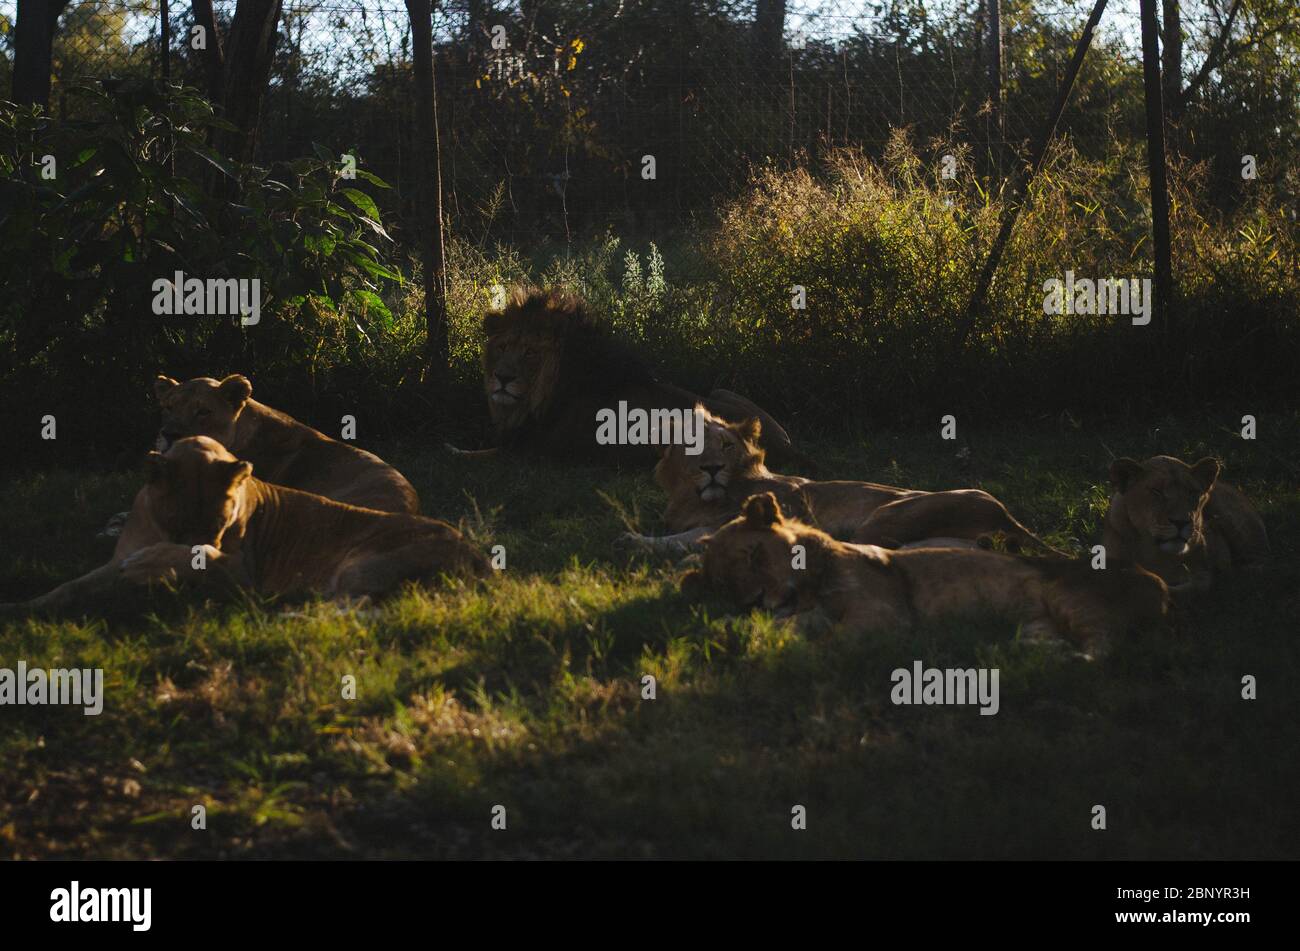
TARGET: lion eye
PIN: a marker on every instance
(1157, 493)
(530, 352)
(203, 412)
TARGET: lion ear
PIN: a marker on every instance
(156, 467)
(238, 471)
(1123, 472)
(694, 584)
(750, 429)
(762, 510)
(162, 385)
(1206, 472)
(236, 389)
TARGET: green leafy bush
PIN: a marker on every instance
(95, 212)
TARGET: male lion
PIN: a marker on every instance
(549, 366)
(705, 491)
(256, 535)
(1181, 521)
(753, 559)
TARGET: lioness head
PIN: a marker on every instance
(753, 561)
(200, 407)
(193, 490)
(522, 352)
(730, 453)
(1164, 498)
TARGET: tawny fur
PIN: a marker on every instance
(262, 537)
(864, 588)
(1181, 522)
(705, 491)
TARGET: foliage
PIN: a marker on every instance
(135, 195)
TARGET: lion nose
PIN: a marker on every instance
(712, 470)
(505, 378)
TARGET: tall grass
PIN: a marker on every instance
(887, 251)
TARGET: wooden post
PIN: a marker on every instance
(1013, 208)
(429, 191)
(165, 40)
(1156, 160)
(994, 44)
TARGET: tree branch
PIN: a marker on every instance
(1216, 54)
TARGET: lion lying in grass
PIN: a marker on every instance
(1181, 522)
(549, 366)
(754, 561)
(227, 530)
(283, 450)
(705, 491)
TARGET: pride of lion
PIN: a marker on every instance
(241, 497)
(867, 588)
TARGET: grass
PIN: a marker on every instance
(527, 693)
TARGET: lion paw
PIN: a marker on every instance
(631, 541)
(114, 526)
(155, 564)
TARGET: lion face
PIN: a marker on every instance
(1164, 498)
(200, 407)
(751, 559)
(729, 453)
(522, 353)
(193, 490)
(519, 368)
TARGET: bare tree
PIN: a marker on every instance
(246, 71)
(34, 49)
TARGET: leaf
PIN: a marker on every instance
(373, 179)
(373, 268)
(362, 201)
(373, 305)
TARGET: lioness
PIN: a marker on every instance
(283, 450)
(549, 366)
(753, 558)
(268, 538)
(1181, 521)
(705, 491)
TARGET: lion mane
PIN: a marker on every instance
(549, 364)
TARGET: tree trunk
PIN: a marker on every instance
(248, 70)
(994, 55)
(1172, 66)
(34, 50)
(769, 32)
(214, 64)
(1156, 162)
(429, 190)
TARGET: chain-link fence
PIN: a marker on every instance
(561, 119)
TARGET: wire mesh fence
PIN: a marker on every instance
(561, 119)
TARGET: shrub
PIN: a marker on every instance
(137, 195)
